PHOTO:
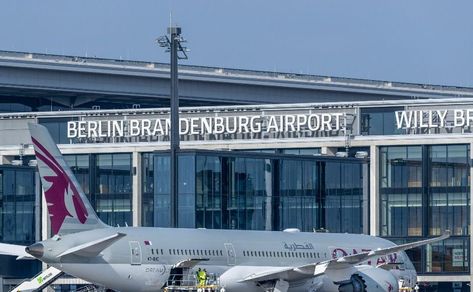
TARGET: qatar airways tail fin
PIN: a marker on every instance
(68, 207)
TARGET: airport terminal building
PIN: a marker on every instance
(259, 151)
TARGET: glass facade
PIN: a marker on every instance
(17, 205)
(252, 191)
(107, 181)
(379, 121)
(57, 127)
(17, 217)
(425, 190)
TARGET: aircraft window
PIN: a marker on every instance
(213, 252)
(244, 253)
(182, 252)
(173, 251)
(318, 255)
(259, 254)
(267, 254)
(293, 254)
(152, 251)
(221, 253)
(162, 251)
(251, 253)
(169, 251)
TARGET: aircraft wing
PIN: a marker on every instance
(15, 250)
(346, 262)
(93, 248)
(361, 257)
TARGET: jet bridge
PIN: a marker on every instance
(40, 281)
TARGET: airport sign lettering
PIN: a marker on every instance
(429, 119)
(207, 125)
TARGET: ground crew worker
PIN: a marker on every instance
(201, 277)
(205, 277)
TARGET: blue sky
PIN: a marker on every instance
(422, 41)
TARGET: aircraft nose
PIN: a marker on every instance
(36, 250)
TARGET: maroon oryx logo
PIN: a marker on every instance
(62, 196)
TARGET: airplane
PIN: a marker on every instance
(150, 259)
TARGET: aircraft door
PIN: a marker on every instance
(135, 253)
(231, 258)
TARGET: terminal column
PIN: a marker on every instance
(137, 189)
(471, 215)
(374, 190)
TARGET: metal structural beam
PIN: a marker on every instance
(174, 46)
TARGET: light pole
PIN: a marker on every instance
(173, 44)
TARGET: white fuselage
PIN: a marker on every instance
(143, 260)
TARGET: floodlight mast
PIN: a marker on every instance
(173, 44)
